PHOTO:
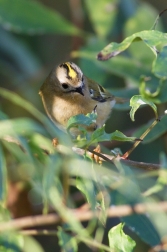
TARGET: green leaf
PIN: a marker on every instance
(87, 188)
(64, 212)
(119, 136)
(4, 214)
(42, 142)
(32, 17)
(51, 178)
(159, 185)
(11, 241)
(159, 65)
(143, 227)
(157, 96)
(149, 226)
(102, 15)
(67, 242)
(119, 241)
(31, 244)
(23, 126)
(16, 99)
(23, 57)
(162, 178)
(126, 67)
(99, 135)
(150, 38)
(142, 20)
(146, 93)
(3, 177)
(81, 119)
(136, 101)
(40, 145)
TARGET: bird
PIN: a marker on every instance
(67, 92)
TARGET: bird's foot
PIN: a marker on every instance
(96, 157)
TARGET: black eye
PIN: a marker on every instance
(64, 85)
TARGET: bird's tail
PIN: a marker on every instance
(120, 100)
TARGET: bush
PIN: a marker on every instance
(64, 186)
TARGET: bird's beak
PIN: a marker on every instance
(79, 90)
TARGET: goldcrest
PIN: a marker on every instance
(67, 92)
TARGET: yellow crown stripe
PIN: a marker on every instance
(72, 73)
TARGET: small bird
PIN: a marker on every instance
(67, 92)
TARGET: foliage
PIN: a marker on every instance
(27, 22)
(136, 67)
(119, 241)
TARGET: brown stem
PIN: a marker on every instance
(110, 159)
(157, 19)
(127, 154)
(84, 215)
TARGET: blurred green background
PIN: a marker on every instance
(28, 54)
(33, 39)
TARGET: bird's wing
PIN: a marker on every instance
(97, 92)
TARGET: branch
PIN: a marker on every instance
(103, 157)
(110, 159)
(83, 214)
(38, 232)
(31, 221)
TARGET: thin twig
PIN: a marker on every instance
(110, 159)
(157, 19)
(38, 232)
(141, 165)
(83, 215)
(103, 157)
(31, 221)
(127, 154)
